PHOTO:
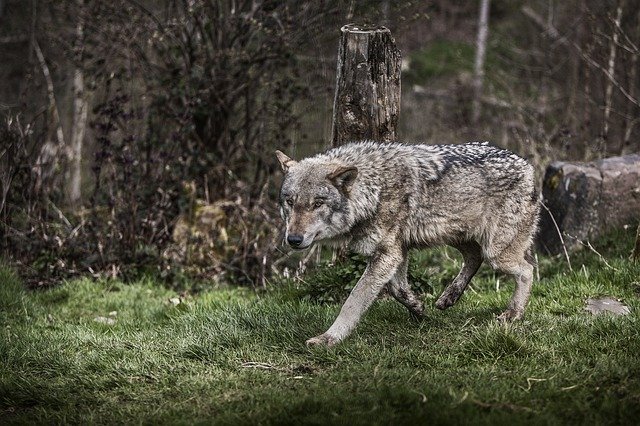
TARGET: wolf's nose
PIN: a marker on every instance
(295, 240)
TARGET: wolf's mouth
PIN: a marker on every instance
(306, 246)
(302, 247)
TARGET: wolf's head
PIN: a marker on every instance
(314, 199)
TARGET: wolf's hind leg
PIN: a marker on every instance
(522, 272)
(472, 259)
(401, 291)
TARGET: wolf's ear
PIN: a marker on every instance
(285, 162)
(343, 177)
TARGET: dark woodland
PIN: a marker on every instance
(123, 120)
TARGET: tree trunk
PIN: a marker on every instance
(386, 9)
(609, 89)
(79, 115)
(54, 150)
(629, 125)
(53, 105)
(367, 100)
(481, 50)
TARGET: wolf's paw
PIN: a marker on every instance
(322, 340)
(416, 311)
(510, 315)
(447, 299)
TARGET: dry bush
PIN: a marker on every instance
(189, 105)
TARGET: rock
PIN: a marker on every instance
(606, 305)
(588, 199)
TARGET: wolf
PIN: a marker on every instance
(383, 199)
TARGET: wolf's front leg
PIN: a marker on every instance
(381, 268)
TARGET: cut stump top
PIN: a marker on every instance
(356, 28)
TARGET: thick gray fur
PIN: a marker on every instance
(384, 199)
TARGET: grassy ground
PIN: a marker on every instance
(231, 356)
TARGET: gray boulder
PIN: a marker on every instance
(588, 199)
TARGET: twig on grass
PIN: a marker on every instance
(564, 247)
(590, 247)
(569, 387)
(600, 256)
(262, 366)
(531, 380)
(424, 397)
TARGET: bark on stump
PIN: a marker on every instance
(367, 100)
(588, 199)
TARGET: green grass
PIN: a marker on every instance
(235, 357)
(446, 59)
(440, 58)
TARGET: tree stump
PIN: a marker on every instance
(585, 200)
(367, 100)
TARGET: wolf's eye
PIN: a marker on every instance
(289, 202)
(318, 203)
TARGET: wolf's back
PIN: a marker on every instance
(434, 162)
(442, 193)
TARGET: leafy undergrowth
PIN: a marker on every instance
(104, 352)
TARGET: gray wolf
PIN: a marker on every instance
(383, 199)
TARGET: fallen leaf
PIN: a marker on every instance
(105, 320)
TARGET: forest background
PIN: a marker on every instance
(125, 121)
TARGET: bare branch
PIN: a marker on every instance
(634, 48)
(14, 39)
(50, 93)
(555, 34)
